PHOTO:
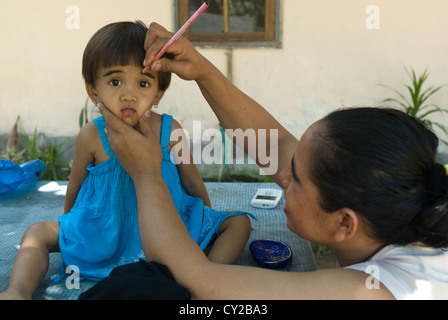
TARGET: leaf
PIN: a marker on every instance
(444, 141)
(404, 106)
(13, 138)
(441, 127)
(429, 93)
(405, 101)
(413, 101)
(435, 109)
(83, 115)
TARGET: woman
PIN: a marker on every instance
(361, 181)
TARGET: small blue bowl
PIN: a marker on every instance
(271, 254)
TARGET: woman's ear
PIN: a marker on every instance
(92, 92)
(347, 223)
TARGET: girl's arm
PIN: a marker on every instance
(82, 157)
(189, 175)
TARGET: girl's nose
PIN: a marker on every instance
(128, 98)
(128, 95)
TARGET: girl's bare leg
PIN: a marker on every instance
(234, 233)
(32, 260)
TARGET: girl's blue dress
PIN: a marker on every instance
(101, 230)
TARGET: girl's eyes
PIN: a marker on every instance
(141, 84)
(115, 82)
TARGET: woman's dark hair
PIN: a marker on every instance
(119, 43)
(379, 162)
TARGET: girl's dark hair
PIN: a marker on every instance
(378, 162)
(119, 43)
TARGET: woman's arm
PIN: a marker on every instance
(82, 157)
(234, 109)
(188, 172)
(166, 239)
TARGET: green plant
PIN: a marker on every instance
(14, 154)
(50, 154)
(87, 113)
(21, 148)
(320, 249)
(416, 104)
(83, 115)
(30, 146)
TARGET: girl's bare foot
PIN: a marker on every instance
(12, 295)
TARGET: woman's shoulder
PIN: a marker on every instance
(414, 254)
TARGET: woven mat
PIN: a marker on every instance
(46, 203)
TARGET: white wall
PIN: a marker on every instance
(328, 58)
(41, 59)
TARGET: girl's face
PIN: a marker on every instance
(126, 91)
(304, 215)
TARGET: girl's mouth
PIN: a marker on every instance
(127, 112)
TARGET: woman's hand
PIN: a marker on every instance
(138, 153)
(187, 62)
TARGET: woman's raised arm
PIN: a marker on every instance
(234, 109)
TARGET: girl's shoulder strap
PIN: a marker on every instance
(166, 130)
(101, 126)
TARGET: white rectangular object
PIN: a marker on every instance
(266, 198)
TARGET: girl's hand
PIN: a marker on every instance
(138, 153)
(187, 62)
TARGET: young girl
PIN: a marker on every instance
(100, 228)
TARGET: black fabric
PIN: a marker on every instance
(138, 281)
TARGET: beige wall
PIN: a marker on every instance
(328, 58)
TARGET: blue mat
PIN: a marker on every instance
(46, 203)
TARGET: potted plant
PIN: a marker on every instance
(415, 101)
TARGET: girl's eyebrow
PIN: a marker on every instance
(111, 72)
(149, 75)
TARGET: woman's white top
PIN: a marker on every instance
(410, 273)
